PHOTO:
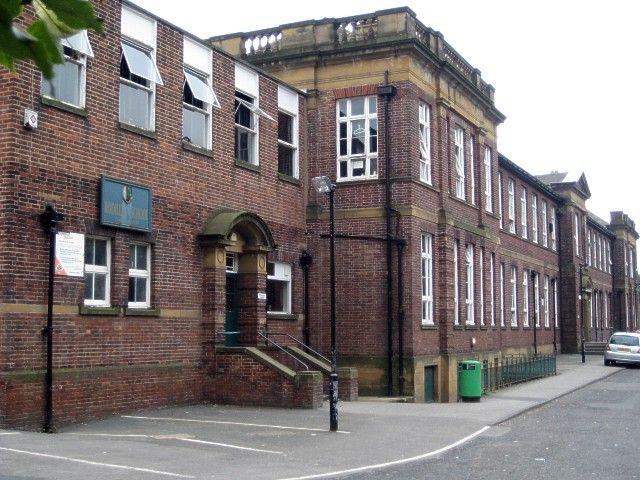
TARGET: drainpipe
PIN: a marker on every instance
(305, 262)
(387, 91)
(400, 245)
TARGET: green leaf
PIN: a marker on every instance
(67, 16)
(9, 9)
(47, 50)
(14, 43)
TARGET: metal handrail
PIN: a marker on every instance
(302, 344)
(280, 347)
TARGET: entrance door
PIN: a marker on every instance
(231, 309)
(429, 384)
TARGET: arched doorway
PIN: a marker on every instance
(235, 246)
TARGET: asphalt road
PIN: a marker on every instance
(377, 439)
(593, 433)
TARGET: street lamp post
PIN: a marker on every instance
(325, 185)
(49, 220)
(581, 298)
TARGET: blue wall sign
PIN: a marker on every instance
(125, 205)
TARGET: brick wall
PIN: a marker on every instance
(62, 162)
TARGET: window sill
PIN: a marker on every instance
(288, 179)
(471, 327)
(281, 316)
(355, 180)
(106, 311)
(196, 149)
(140, 131)
(428, 326)
(141, 312)
(52, 102)
(458, 327)
(453, 196)
(248, 166)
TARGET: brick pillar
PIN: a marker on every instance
(252, 301)
(213, 298)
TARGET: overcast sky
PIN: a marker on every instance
(566, 73)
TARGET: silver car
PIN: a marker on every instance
(623, 347)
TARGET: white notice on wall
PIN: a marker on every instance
(262, 296)
(69, 254)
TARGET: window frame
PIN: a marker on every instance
(149, 87)
(512, 206)
(546, 301)
(576, 234)
(424, 120)
(250, 102)
(500, 202)
(492, 269)
(470, 291)
(426, 273)
(80, 61)
(292, 147)
(525, 297)
(459, 161)
(534, 218)
(207, 111)
(369, 157)
(285, 279)
(456, 282)
(502, 316)
(554, 244)
(524, 225)
(514, 296)
(472, 173)
(481, 278)
(545, 224)
(101, 270)
(140, 273)
(488, 180)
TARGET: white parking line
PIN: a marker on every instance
(229, 446)
(97, 464)
(219, 422)
(183, 438)
(8, 433)
(395, 462)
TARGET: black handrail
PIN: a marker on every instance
(280, 347)
(303, 345)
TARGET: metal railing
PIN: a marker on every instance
(516, 369)
(282, 349)
(302, 344)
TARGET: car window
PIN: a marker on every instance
(626, 340)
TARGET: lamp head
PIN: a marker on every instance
(323, 184)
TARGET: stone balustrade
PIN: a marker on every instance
(379, 28)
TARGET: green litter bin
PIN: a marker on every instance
(470, 380)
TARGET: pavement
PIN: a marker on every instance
(227, 442)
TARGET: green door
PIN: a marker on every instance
(231, 317)
(429, 384)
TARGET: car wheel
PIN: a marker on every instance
(607, 362)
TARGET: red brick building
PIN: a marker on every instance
(180, 166)
(447, 250)
(183, 172)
